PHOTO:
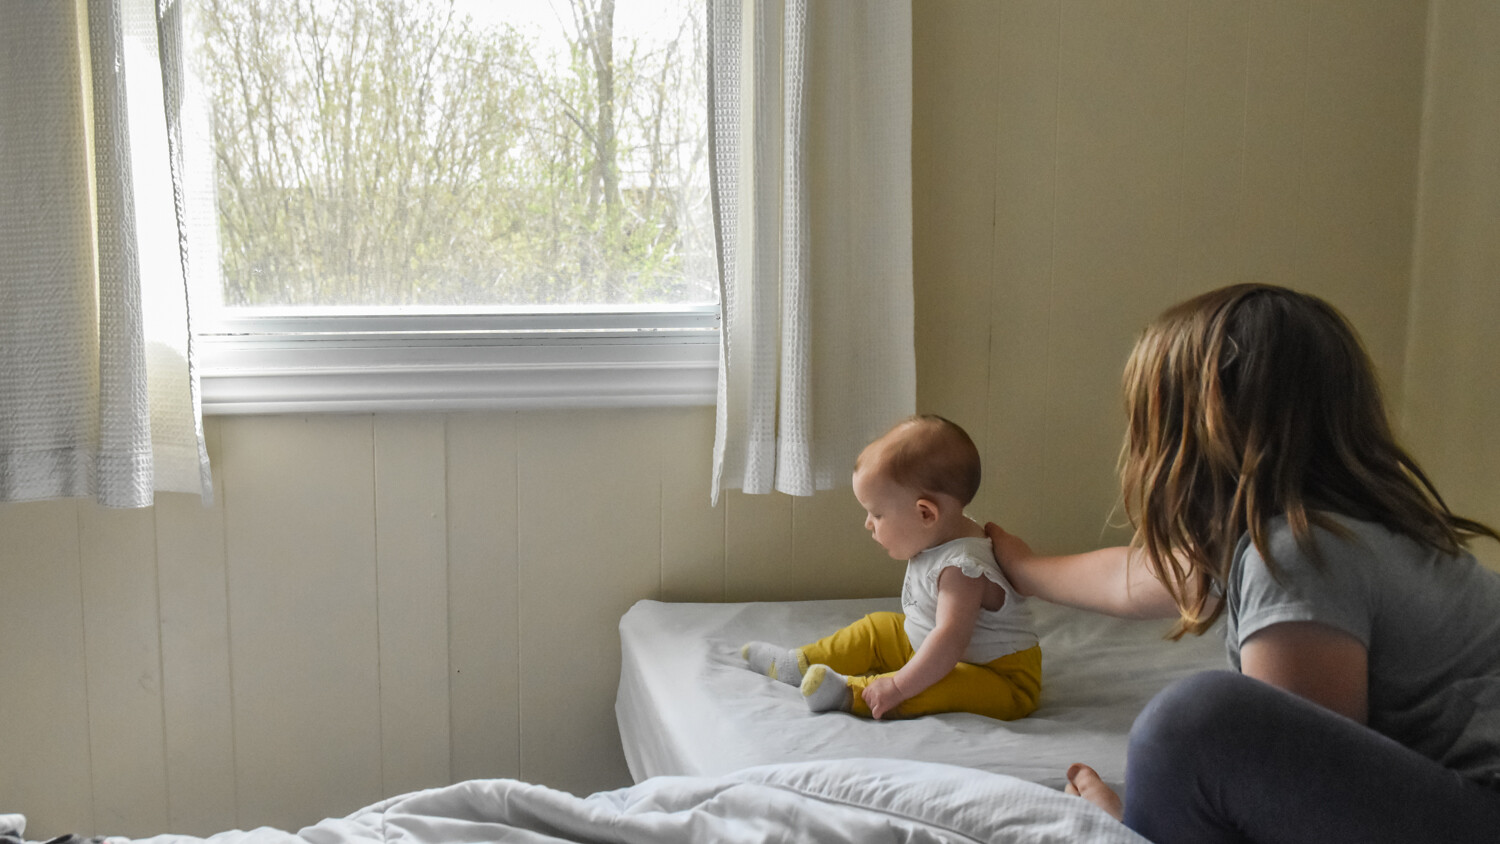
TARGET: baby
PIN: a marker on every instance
(963, 642)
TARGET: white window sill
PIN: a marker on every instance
(441, 361)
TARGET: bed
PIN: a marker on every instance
(688, 705)
(859, 801)
(722, 754)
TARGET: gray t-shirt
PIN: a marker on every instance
(1431, 624)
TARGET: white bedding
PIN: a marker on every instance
(687, 704)
(869, 801)
(732, 756)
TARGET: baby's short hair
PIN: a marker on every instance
(926, 453)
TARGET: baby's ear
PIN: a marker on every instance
(927, 510)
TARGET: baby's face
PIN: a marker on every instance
(891, 514)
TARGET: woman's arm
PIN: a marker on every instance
(1113, 581)
(959, 597)
(1320, 663)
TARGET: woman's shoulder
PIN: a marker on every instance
(1334, 536)
(1334, 580)
(1350, 553)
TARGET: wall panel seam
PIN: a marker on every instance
(88, 702)
(379, 616)
(161, 666)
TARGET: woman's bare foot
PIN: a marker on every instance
(1084, 782)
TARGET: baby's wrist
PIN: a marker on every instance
(896, 686)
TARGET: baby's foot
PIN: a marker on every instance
(784, 664)
(825, 689)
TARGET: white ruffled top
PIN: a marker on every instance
(997, 633)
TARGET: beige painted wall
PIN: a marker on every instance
(381, 603)
(1452, 414)
(1079, 166)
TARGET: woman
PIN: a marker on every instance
(1266, 487)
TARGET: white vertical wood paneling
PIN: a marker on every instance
(692, 531)
(122, 647)
(483, 599)
(411, 545)
(758, 560)
(196, 688)
(44, 717)
(835, 556)
(590, 530)
(300, 534)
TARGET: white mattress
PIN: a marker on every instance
(688, 705)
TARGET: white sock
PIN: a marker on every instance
(825, 689)
(779, 663)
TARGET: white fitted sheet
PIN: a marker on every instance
(688, 705)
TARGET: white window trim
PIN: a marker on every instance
(352, 361)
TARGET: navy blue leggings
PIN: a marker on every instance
(1220, 757)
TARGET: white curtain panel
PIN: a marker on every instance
(810, 141)
(97, 395)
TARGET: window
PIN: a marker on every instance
(456, 203)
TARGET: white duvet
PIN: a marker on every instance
(869, 801)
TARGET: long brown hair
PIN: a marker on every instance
(1252, 402)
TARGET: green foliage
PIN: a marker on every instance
(397, 152)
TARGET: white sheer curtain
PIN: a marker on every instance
(97, 394)
(810, 107)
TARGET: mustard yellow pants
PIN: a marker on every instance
(876, 646)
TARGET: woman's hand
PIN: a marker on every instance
(1009, 549)
(1114, 581)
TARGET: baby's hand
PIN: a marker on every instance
(882, 696)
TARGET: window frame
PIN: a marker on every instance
(351, 360)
